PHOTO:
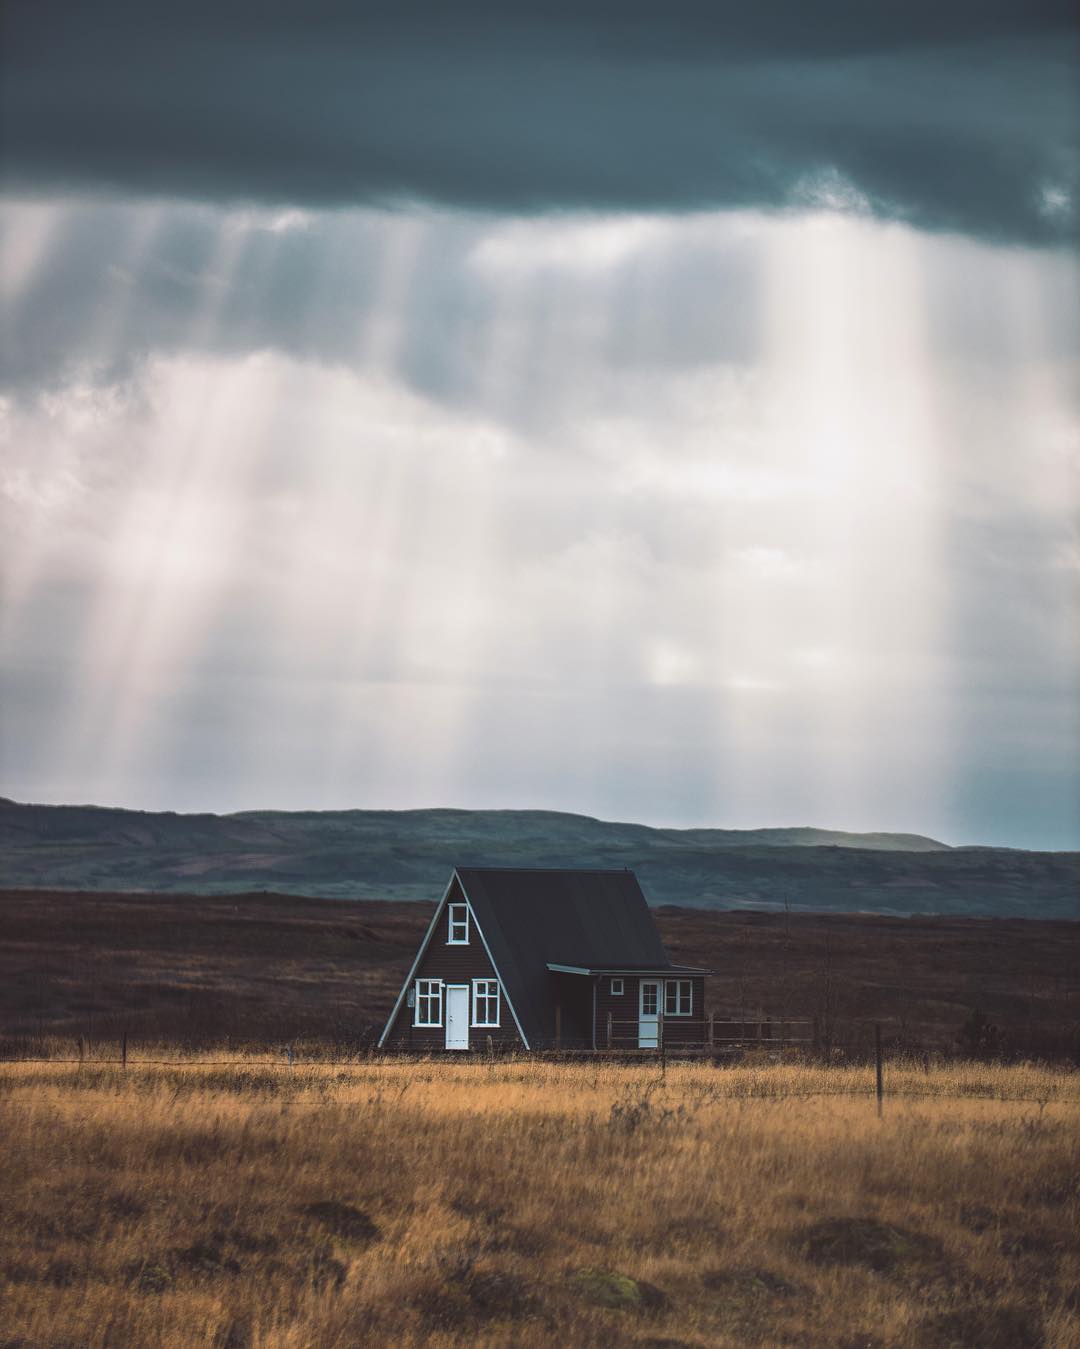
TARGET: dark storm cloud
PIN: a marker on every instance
(955, 116)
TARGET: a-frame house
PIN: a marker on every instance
(534, 959)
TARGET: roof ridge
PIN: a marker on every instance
(566, 871)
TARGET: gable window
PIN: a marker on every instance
(428, 1002)
(459, 925)
(616, 988)
(485, 1002)
(678, 997)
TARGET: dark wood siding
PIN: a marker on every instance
(573, 994)
(692, 1029)
(454, 964)
(623, 1010)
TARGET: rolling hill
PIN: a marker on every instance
(369, 854)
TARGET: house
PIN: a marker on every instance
(542, 958)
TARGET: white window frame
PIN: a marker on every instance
(673, 991)
(434, 990)
(476, 998)
(454, 922)
(618, 988)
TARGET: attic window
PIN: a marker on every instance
(616, 988)
(459, 925)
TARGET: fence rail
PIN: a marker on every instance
(705, 1034)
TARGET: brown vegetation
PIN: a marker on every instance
(527, 1203)
(263, 969)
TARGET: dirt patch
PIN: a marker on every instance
(204, 1259)
(982, 1328)
(470, 1297)
(747, 1284)
(868, 1243)
(343, 1221)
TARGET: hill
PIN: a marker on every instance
(364, 854)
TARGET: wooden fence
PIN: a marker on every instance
(695, 1035)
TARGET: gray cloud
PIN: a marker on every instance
(207, 280)
(957, 116)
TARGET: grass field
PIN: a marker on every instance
(228, 1202)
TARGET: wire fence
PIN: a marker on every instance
(363, 1068)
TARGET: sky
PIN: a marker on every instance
(665, 413)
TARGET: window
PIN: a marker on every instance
(678, 997)
(485, 993)
(428, 1002)
(650, 998)
(616, 988)
(459, 925)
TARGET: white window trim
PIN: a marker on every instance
(487, 1025)
(429, 1025)
(690, 998)
(453, 922)
(620, 991)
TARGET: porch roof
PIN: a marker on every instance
(669, 970)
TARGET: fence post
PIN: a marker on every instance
(558, 1026)
(712, 1031)
(82, 1049)
(609, 1030)
(123, 1051)
(660, 1026)
(879, 1078)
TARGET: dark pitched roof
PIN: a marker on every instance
(533, 918)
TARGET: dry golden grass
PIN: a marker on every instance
(459, 1203)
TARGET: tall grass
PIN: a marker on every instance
(522, 1203)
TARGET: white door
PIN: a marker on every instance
(457, 1016)
(649, 1014)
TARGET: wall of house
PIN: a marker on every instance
(573, 993)
(623, 1010)
(453, 964)
(694, 1028)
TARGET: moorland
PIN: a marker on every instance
(262, 969)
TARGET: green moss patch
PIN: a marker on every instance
(608, 1288)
